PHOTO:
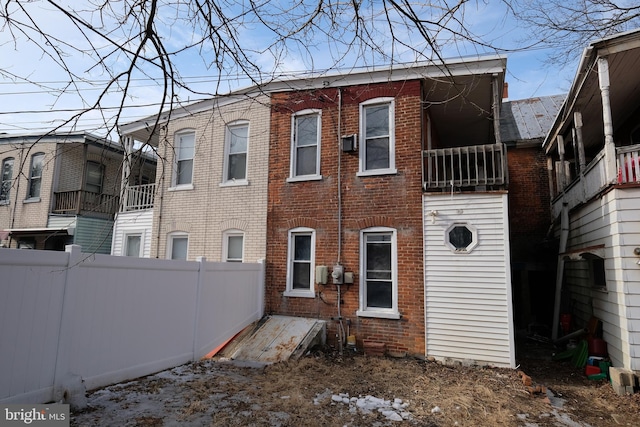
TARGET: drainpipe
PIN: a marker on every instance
(609, 144)
(564, 237)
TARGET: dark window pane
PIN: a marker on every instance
(307, 130)
(185, 172)
(238, 139)
(460, 237)
(237, 166)
(377, 154)
(379, 256)
(301, 275)
(234, 250)
(302, 249)
(379, 294)
(377, 119)
(179, 248)
(306, 161)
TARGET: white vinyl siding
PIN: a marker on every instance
(613, 222)
(468, 294)
(135, 222)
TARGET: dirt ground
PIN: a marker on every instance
(325, 388)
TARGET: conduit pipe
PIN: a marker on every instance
(564, 236)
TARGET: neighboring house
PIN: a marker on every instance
(60, 189)
(209, 197)
(593, 154)
(388, 208)
(523, 126)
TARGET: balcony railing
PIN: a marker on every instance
(83, 202)
(628, 164)
(470, 167)
(139, 197)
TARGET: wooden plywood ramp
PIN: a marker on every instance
(275, 339)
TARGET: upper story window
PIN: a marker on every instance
(184, 151)
(236, 149)
(178, 246)
(233, 241)
(377, 141)
(305, 145)
(378, 273)
(35, 175)
(6, 180)
(94, 178)
(301, 262)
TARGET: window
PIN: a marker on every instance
(233, 246)
(184, 151)
(301, 265)
(27, 243)
(5, 180)
(93, 180)
(35, 175)
(377, 153)
(177, 246)
(378, 273)
(237, 138)
(461, 237)
(133, 245)
(305, 145)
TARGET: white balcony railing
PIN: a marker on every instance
(628, 164)
(139, 197)
(465, 167)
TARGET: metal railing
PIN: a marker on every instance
(81, 201)
(139, 197)
(468, 167)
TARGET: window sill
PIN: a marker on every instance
(4, 202)
(182, 187)
(32, 200)
(235, 183)
(376, 172)
(379, 314)
(299, 294)
(304, 178)
(600, 290)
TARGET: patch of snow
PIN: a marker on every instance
(393, 411)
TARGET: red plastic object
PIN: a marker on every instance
(591, 370)
(597, 347)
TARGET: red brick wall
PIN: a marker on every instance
(390, 200)
(529, 202)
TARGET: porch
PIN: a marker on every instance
(138, 197)
(471, 168)
(574, 189)
(81, 202)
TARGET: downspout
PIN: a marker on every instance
(163, 159)
(564, 236)
(341, 336)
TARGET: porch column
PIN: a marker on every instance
(609, 144)
(561, 170)
(127, 144)
(495, 107)
(582, 161)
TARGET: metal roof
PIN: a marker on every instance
(529, 120)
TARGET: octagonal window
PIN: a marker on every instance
(461, 237)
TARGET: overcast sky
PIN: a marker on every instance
(48, 100)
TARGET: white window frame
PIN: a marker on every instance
(364, 310)
(33, 177)
(294, 146)
(176, 160)
(125, 242)
(227, 153)
(363, 137)
(474, 238)
(225, 244)
(101, 169)
(170, 239)
(6, 182)
(290, 291)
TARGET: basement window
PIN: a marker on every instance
(461, 237)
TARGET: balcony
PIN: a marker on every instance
(475, 168)
(594, 180)
(139, 197)
(81, 202)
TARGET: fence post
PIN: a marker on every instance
(67, 386)
(261, 286)
(202, 263)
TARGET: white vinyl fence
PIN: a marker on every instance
(70, 320)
